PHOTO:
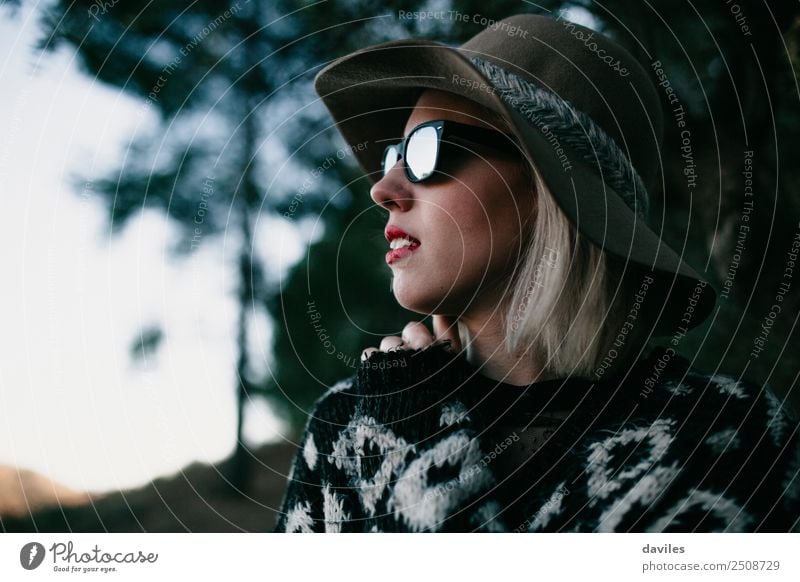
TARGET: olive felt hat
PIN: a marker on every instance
(582, 109)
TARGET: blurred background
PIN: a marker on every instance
(174, 198)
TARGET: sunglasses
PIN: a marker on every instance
(421, 149)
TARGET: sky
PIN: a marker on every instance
(73, 406)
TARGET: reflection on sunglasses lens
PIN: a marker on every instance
(390, 158)
(421, 152)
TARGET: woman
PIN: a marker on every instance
(514, 171)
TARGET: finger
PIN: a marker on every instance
(416, 335)
(390, 343)
(445, 328)
(367, 353)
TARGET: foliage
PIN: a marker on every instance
(239, 106)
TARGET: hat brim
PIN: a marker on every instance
(370, 94)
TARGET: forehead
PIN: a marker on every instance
(435, 104)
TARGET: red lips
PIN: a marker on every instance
(392, 232)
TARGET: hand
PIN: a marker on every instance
(415, 335)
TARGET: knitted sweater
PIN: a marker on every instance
(418, 440)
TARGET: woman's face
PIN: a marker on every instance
(468, 222)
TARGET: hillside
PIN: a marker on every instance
(197, 499)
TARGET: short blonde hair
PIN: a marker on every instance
(569, 298)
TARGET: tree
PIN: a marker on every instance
(248, 67)
(238, 66)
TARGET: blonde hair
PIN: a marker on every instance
(569, 299)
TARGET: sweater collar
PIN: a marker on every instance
(433, 374)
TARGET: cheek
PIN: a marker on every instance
(506, 226)
(481, 230)
(512, 226)
(475, 249)
(456, 258)
(471, 239)
(464, 233)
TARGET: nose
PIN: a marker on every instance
(393, 191)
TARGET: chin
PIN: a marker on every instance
(412, 296)
(415, 304)
(425, 301)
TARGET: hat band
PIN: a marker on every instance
(554, 115)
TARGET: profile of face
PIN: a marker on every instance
(471, 218)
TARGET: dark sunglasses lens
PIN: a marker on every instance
(421, 152)
(390, 157)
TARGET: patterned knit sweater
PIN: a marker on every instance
(418, 440)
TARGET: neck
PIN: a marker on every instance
(483, 339)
